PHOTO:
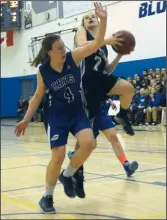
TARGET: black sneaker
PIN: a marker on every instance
(46, 205)
(122, 119)
(79, 187)
(79, 179)
(68, 183)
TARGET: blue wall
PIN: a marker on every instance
(130, 68)
(10, 94)
(11, 87)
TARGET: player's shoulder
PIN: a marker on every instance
(81, 30)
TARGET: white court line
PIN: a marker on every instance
(110, 159)
(86, 184)
(23, 148)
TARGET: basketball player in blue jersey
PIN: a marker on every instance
(60, 75)
(97, 85)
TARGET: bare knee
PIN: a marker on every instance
(89, 145)
(58, 155)
(122, 87)
(111, 135)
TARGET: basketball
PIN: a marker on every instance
(128, 43)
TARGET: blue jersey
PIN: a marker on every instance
(63, 88)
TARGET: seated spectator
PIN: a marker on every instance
(157, 71)
(152, 86)
(153, 73)
(145, 79)
(156, 100)
(149, 79)
(150, 72)
(144, 85)
(163, 72)
(138, 81)
(22, 108)
(142, 103)
(129, 79)
(158, 78)
(135, 76)
(145, 73)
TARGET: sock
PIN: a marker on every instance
(69, 171)
(49, 190)
(122, 159)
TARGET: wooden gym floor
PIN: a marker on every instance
(110, 194)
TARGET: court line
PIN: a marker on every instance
(10, 168)
(110, 181)
(45, 142)
(46, 154)
(119, 129)
(65, 213)
(153, 215)
(18, 167)
(8, 146)
(100, 176)
(32, 206)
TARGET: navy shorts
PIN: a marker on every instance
(102, 122)
(58, 127)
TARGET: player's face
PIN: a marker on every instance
(90, 21)
(58, 51)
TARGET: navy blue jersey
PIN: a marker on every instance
(63, 88)
(93, 78)
(93, 67)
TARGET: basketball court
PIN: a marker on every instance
(109, 193)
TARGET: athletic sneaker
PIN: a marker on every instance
(79, 179)
(46, 205)
(130, 167)
(68, 183)
(122, 119)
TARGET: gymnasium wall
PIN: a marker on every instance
(145, 19)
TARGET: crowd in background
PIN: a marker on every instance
(150, 97)
(147, 105)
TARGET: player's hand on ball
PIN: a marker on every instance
(100, 11)
(114, 41)
(20, 128)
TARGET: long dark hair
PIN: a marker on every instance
(46, 47)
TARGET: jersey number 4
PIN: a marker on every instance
(68, 95)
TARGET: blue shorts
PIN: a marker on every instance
(58, 127)
(102, 122)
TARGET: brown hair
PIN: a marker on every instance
(46, 47)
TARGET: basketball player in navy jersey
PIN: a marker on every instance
(97, 85)
(98, 82)
(60, 74)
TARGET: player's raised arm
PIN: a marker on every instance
(84, 51)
